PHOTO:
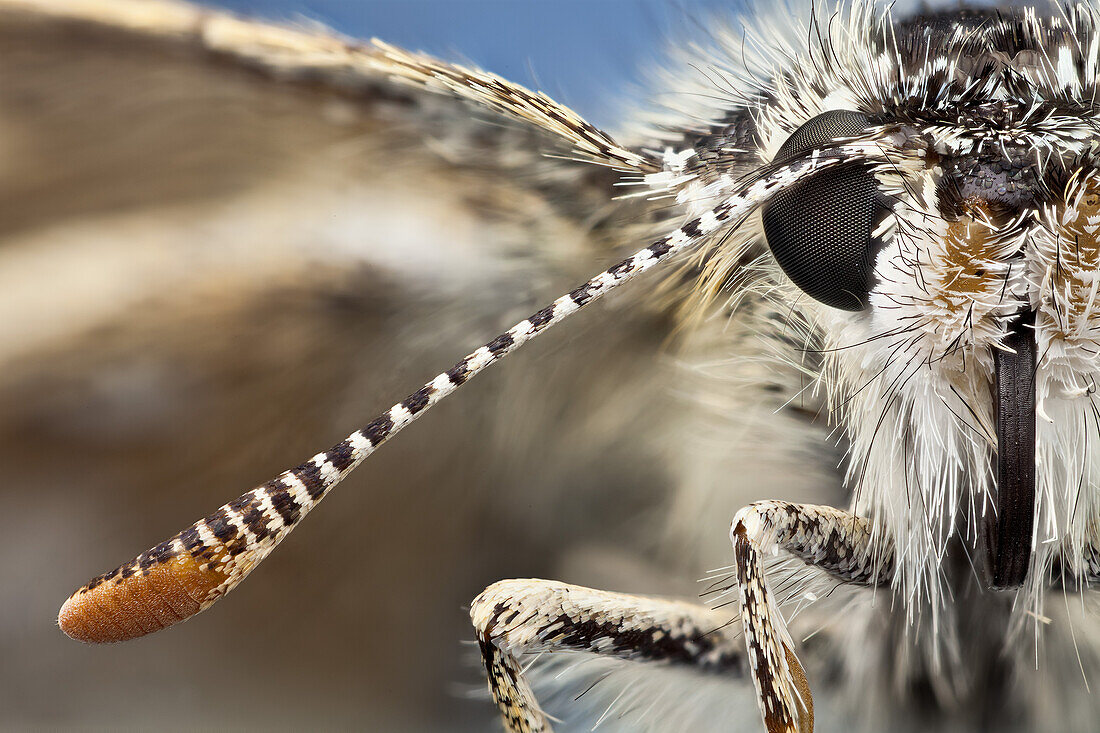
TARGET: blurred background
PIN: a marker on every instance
(209, 273)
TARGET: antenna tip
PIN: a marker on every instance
(139, 598)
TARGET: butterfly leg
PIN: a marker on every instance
(835, 541)
(517, 617)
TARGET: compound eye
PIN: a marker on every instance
(820, 229)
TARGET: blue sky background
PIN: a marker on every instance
(584, 53)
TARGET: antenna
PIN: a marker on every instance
(187, 573)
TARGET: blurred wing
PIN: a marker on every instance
(222, 246)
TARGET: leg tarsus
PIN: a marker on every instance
(513, 695)
(839, 543)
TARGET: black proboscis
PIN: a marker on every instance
(1008, 534)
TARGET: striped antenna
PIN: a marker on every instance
(189, 572)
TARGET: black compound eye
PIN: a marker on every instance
(820, 230)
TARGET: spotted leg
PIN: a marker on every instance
(516, 617)
(833, 540)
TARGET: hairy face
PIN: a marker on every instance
(953, 281)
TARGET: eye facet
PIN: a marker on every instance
(820, 230)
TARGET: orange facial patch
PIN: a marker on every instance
(972, 250)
